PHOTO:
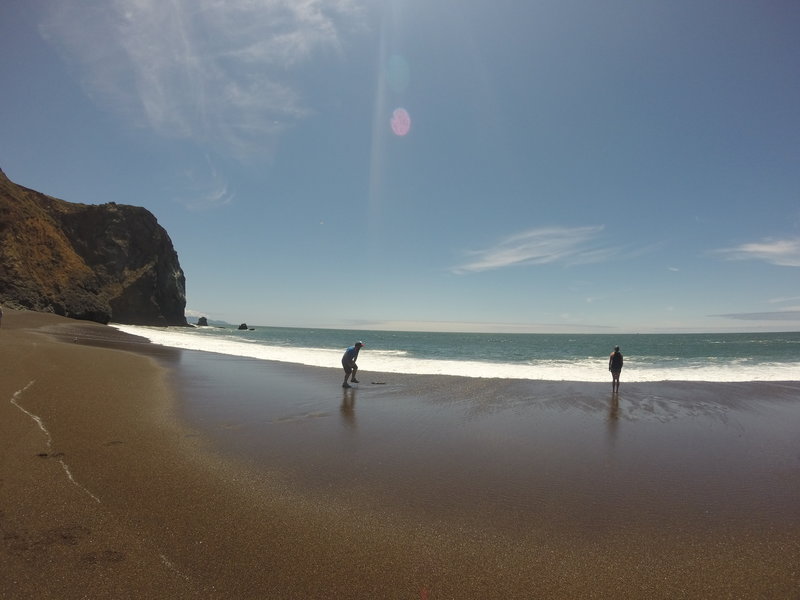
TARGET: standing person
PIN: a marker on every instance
(349, 363)
(615, 366)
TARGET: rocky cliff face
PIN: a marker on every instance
(107, 262)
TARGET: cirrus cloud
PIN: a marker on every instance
(212, 71)
(779, 315)
(784, 253)
(569, 246)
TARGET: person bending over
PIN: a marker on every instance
(349, 363)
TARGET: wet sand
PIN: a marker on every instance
(128, 470)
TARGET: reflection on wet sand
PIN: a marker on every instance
(613, 408)
(531, 465)
(613, 419)
(348, 407)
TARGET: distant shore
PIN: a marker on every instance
(132, 470)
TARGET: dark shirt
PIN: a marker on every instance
(350, 356)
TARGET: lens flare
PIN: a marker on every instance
(398, 73)
(401, 122)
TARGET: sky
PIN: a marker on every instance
(538, 166)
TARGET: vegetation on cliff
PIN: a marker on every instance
(107, 262)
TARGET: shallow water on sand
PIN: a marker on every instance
(512, 456)
(451, 487)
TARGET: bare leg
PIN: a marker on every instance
(353, 378)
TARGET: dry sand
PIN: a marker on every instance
(129, 471)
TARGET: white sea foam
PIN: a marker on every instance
(392, 361)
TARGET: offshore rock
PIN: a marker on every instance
(107, 262)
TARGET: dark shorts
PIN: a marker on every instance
(347, 368)
(616, 372)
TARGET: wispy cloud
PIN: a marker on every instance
(212, 197)
(215, 71)
(475, 326)
(785, 253)
(781, 315)
(202, 187)
(569, 246)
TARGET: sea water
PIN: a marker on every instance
(731, 357)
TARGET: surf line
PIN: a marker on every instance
(48, 438)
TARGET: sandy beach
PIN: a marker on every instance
(134, 471)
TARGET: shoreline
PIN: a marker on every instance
(410, 441)
(218, 477)
(532, 358)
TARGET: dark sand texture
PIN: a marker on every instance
(262, 480)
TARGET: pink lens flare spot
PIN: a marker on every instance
(401, 122)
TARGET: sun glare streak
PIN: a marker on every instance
(398, 73)
(392, 76)
(376, 153)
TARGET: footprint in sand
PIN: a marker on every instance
(299, 418)
(231, 426)
(68, 535)
(21, 543)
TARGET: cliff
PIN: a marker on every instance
(108, 262)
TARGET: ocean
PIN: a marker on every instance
(723, 357)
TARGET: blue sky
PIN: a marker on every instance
(553, 165)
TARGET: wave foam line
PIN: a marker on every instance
(48, 438)
(587, 370)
